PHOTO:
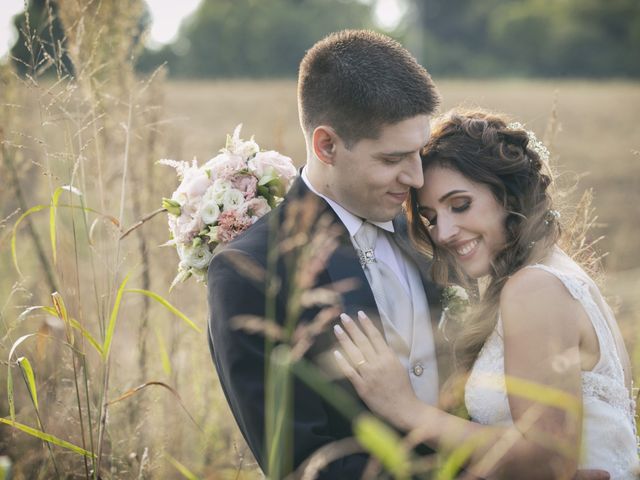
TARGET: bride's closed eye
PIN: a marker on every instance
(457, 205)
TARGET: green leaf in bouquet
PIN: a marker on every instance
(267, 178)
(212, 233)
(172, 206)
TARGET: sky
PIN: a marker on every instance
(167, 15)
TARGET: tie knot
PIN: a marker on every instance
(365, 240)
(366, 236)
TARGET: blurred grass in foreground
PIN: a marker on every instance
(113, 370)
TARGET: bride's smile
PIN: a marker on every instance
(464, 217)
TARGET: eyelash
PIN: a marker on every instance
(462, 208)
(388, 161)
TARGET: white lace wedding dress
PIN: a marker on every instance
(609, 438)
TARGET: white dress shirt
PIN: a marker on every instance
(384, 250)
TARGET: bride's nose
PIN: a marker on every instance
(446, 229)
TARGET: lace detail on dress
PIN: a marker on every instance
(610, 439)
(606, 381)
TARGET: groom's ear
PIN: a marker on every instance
(324, 142)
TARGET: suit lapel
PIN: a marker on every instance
(343, 264)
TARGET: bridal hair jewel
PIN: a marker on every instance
(551, 216)
(534, 144)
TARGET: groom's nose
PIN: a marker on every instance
(411, 174)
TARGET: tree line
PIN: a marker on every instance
(267, 38)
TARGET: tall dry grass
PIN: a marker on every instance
(151, 407)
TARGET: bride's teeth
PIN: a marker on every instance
(467, 247)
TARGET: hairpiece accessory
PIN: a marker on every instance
(534, 144)
(551, 216)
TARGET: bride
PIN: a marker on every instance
(549, 382)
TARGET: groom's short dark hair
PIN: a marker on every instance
(356, 81)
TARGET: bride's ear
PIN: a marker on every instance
(324, 141)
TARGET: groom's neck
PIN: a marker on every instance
(318, 180)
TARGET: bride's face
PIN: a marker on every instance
(464, 218)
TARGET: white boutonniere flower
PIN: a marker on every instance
(455, 302)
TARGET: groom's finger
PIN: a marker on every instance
(359, 338)
(355, 356)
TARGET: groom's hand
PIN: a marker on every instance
(591, 475)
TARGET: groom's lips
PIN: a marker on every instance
(398, 197)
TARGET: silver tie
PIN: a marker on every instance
(391, 297)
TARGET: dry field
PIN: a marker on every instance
(105, 142)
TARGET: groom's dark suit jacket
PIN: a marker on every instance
(239, 355)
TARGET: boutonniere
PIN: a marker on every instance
(455, 302)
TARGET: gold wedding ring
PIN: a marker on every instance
(360, 363)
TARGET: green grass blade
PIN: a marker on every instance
(85, 333)
(186, 473)
(164, 355)
(543, 394)
(14, 256)
(52, 217)
(457, 459)
(45, 437)
(62, 314)
(383, 443)
(12, 406)
(166, 305)
(73, 322)
(25, 364)
(106, 347)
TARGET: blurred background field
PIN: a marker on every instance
(102, 127)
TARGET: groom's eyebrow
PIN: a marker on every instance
(395, 154)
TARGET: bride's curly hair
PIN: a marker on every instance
(484, 148)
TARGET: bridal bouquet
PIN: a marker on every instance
(220, 199)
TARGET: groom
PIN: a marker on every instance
(364, 105)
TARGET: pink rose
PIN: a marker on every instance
(230, 224)
(245, 182)
(195, 183)
(185, 227)
(256, 208)
(224, 164)
(273, 163)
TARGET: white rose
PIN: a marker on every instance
(217, 190)
(232, 199)
(209, 212)
(195, 257)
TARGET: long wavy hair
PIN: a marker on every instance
(484, 148)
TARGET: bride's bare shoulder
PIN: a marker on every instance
(534, 296)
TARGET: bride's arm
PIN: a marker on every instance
(541, 327)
